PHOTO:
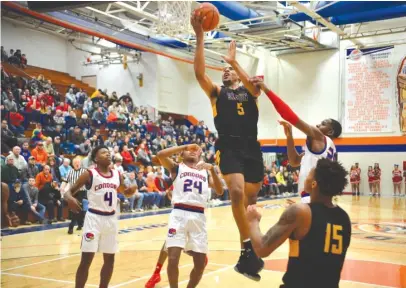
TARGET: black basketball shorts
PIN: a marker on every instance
(245, 160)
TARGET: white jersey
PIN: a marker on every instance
(191, 187)
(309, 160)
(102, 194)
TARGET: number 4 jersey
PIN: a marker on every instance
(102, 191)
(191, 187)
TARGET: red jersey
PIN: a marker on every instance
(371, 176)
(359, 173)
(397, 176)
(354, 177)
(377, 173)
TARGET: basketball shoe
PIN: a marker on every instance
(249, 265)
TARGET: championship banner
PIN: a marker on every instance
(369, 87)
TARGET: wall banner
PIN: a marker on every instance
(370, 83)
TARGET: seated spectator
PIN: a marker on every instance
(49, 146)
(25, 152)
(128, 158)
(70, 98)
(150, 182)
(43, 177)
(65, 168)
(37, 208)
(19, 160)
(59, 118)
(18, 201)
(54, 169)
(281, 181)
(40, 155)
(50, 196)
(118, 160)
(143, 156)
(24, 61)
(76, 137)
(85, 148)
(163, 187)
(138, 196)
(32, 168)
(98, 117)
(9, 173)
(8, 139)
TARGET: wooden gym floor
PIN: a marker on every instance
(49, 257)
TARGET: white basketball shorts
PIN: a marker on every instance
(100, 234)
(187, 230)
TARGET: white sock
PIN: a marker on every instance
(246, 240)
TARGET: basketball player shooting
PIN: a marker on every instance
(319, 233)
(239, 154)
(187, 222)
(100, 230)
(319, 141)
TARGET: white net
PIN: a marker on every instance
(174, 17)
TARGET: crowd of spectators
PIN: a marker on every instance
(14, 57)
(36, 167)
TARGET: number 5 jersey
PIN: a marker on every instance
(191, 187)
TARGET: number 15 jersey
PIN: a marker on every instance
(102, 190)
(191, 187)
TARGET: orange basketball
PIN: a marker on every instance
(212, 15)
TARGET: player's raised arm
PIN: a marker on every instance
(245, 79)
(287, 113)
(214, 179)
(293, 155)
(165, 155)
(199, 63)
(290, 219)
(83, 180)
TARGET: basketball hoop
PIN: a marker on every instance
(174, 17)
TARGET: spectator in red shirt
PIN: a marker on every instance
(128, 158)
(64, 107)
(163, 188)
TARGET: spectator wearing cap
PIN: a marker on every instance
(32, 168)
(50, 196)
(9, 173)
(32, 194)
(25, 152)
(18, 201)
(40, 155)
(43, 177)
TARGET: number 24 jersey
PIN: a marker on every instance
(191, 187)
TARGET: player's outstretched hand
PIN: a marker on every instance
(203, 166)
(73, 204)
(287, 127)
(258, 82)
(230, 58)
(196, 19)
(253, 214)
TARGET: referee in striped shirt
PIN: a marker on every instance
(81, 196)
